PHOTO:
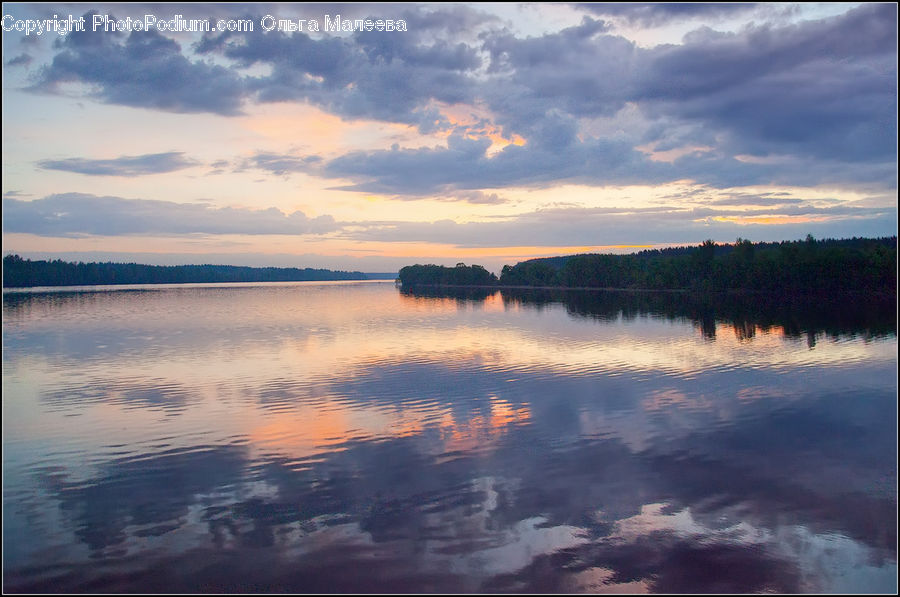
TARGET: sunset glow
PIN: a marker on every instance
(478, 134)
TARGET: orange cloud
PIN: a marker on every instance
(770, 219)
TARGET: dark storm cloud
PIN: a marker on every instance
(152, 163)
(75, 214)
(144, 70)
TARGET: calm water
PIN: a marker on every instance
(350, 437)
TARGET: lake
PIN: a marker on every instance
(353, 437)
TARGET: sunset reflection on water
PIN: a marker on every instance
(358, 438)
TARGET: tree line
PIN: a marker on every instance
(21, 273)
(439, 275)
(810, 265)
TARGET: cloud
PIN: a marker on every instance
(380, 75)
(821, 88)
(126, 165)
(464, 165)
(20, 60)
(767, 199)
(286, 164)
(143, 69)
(578, 226)
(75, 214)
(477, 197)
(666, 12)
(282, 164)
(819, 95)
(377, 75)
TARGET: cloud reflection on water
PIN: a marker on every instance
(440, 444)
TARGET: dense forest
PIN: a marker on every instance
(19, 273)
(439, 275)
(810, 265)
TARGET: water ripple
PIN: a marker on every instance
(354, 438)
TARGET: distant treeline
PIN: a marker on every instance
(19, 273)
(858, 264)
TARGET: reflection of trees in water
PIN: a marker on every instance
(837, 314)
(461, 295)
(16, 304)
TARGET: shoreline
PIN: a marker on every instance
(795, 292)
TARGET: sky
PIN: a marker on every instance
(475, 133)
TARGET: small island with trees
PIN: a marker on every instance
(810, 265)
